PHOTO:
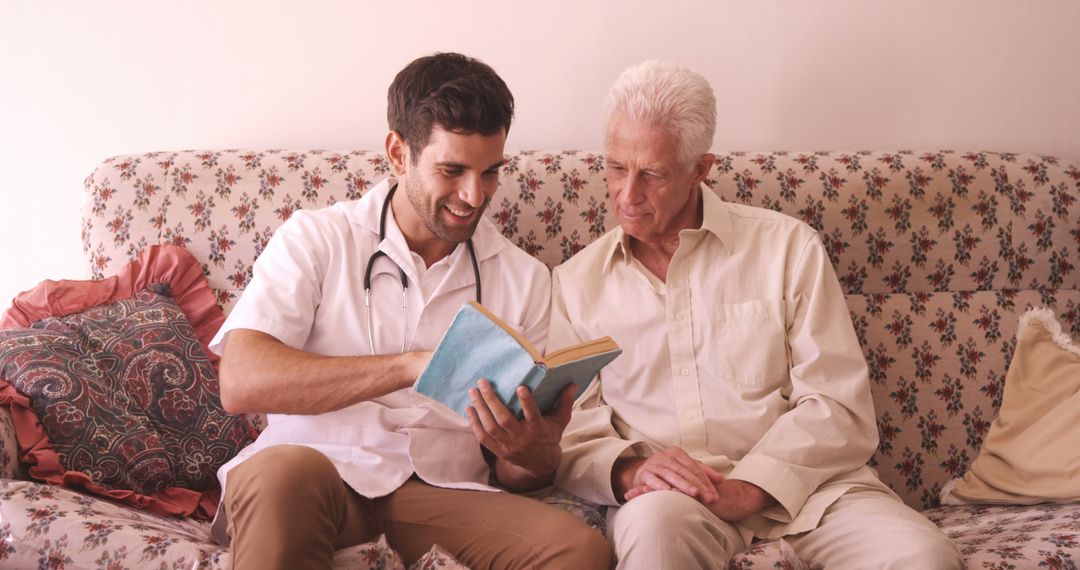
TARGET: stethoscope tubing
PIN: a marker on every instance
(401, 273)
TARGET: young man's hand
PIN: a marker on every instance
(527, 450)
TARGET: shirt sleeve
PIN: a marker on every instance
(590, 444)
(286, 285)
(830, 428)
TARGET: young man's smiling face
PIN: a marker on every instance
(448, 185)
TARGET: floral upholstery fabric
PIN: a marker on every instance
(223, 206)
(9, 447)
(58, 528)
(938, 253)
(1013, 537)
(937, 366)
(52, 528)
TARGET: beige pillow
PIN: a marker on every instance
(1032, 451)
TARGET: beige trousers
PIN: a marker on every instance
(863, 529)
(287, 507)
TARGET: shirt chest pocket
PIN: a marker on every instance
(749, 343)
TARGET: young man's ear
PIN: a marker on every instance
(397, 152)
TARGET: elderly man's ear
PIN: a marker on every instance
(703, 166)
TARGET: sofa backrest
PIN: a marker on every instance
(224, 205)
(938, 252)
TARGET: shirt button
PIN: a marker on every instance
(679, 316)
(685, 372)
(690, 414)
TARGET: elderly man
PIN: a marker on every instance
(339, 319)
(741, 407)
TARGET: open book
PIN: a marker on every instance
(480, 345)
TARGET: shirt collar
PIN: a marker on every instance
(487, 239)
(716, 219)
(617, 249)
(365, 212)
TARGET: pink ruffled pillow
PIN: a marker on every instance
(113, 389)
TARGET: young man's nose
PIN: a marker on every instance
(471, 191)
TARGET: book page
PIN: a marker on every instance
(580, 372)
(579, 351)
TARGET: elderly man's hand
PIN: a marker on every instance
(738, 499)
(733, 501)
(671, 469)
(527, 450)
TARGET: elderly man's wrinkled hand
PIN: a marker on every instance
(733, 501)
(670, 470)
(738, 499)
(530, 444)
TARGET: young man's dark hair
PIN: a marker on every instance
(458, 93)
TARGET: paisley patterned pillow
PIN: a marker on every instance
(121, 398)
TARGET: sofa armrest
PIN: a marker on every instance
(9, 447)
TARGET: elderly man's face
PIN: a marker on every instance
(654, 195)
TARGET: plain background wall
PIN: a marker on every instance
(83, 80)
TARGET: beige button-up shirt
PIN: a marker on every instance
(746, 358)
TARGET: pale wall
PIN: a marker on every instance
(82, 81)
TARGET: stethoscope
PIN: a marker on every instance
(401, 273)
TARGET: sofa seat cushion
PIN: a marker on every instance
(42, 526)
(773, 553)
(1013, 536)
(47, 526)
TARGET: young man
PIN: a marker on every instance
(740, 407)
(339, 320)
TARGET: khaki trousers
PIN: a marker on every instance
(863, 529)
(287, 507)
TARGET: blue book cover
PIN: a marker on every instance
(480, 345)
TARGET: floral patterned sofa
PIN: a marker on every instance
(938, 253)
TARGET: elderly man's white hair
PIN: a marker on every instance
(668, 96)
